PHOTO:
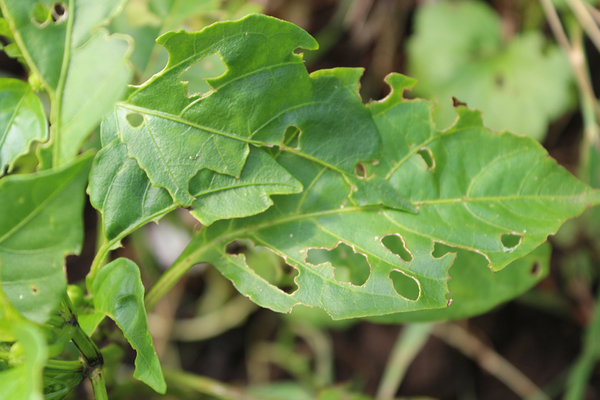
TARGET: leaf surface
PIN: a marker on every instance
(265, 90)
(23, 381)
(457, 50)
(44, 224)
(119, 293)
(499, 195)
(127, 199)
(83, 69)
(474, 289)
(22, 120)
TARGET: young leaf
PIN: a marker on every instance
(22, 120)
(24, 380)
(499, 195)
(265, 90)
(127, 199)
(457, 50)
(83, 69)
(474, 290)
(44, 224)
(119, 293)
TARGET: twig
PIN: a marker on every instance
(586, 20)
(488, 360)
(410, 341)
(205, 385)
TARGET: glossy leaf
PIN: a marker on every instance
(499, 195)
(22, 381)
(265, 90)
(83, 69)
(22, 120)
(119, 294)
(457, 50)
(43, 225)
(475, 290)
(127, 199)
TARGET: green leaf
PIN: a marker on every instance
(475, 290)
(127, 199)
(265, 90)
(41, 223)
(22, 381)
(457, 50)
(499, 195)
(22, 120)
(119, 293)
(83, 69)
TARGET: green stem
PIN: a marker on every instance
(205, 385)
(410, 341)
(58, 367)
(98, 385)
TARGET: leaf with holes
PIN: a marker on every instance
(122, 191)
(499, 195)
(265, 90)
(474, 290)
(457, 50)
(119, 294)
(43, 226)
(22, 120)
(83, 69)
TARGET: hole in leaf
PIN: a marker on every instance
(396, 245)
(268, 265)
(135, 119)
(536, 269)
(350, 267)
(510, 241)
(406, 286)
(34, 289)
(441, 249)
(195, 76)
(59, 12)
(360, 170)
(41, 15)
(427, 156)
(292, 137)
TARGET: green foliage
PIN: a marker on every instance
(22, 121)
(458, 50)
(43, 226)
(348, 206)
(119, 294)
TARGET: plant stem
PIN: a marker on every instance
(205, 385)
(98, 385)
(410, 341)
(584, 365)
(57, 367)
(490, 361)
(586, 20)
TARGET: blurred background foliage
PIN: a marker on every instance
(528, 75)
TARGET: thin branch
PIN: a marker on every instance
(586, 20)
(490, 361)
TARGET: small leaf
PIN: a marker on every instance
(83, 69)
(43, 223)
(119, 293)
(22, 381)
(457, 50)
(22, 120)
(474, 289)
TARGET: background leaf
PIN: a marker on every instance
(44, 224)
(457, 50)
(83, 69)
(22, 120)
(119, 293)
